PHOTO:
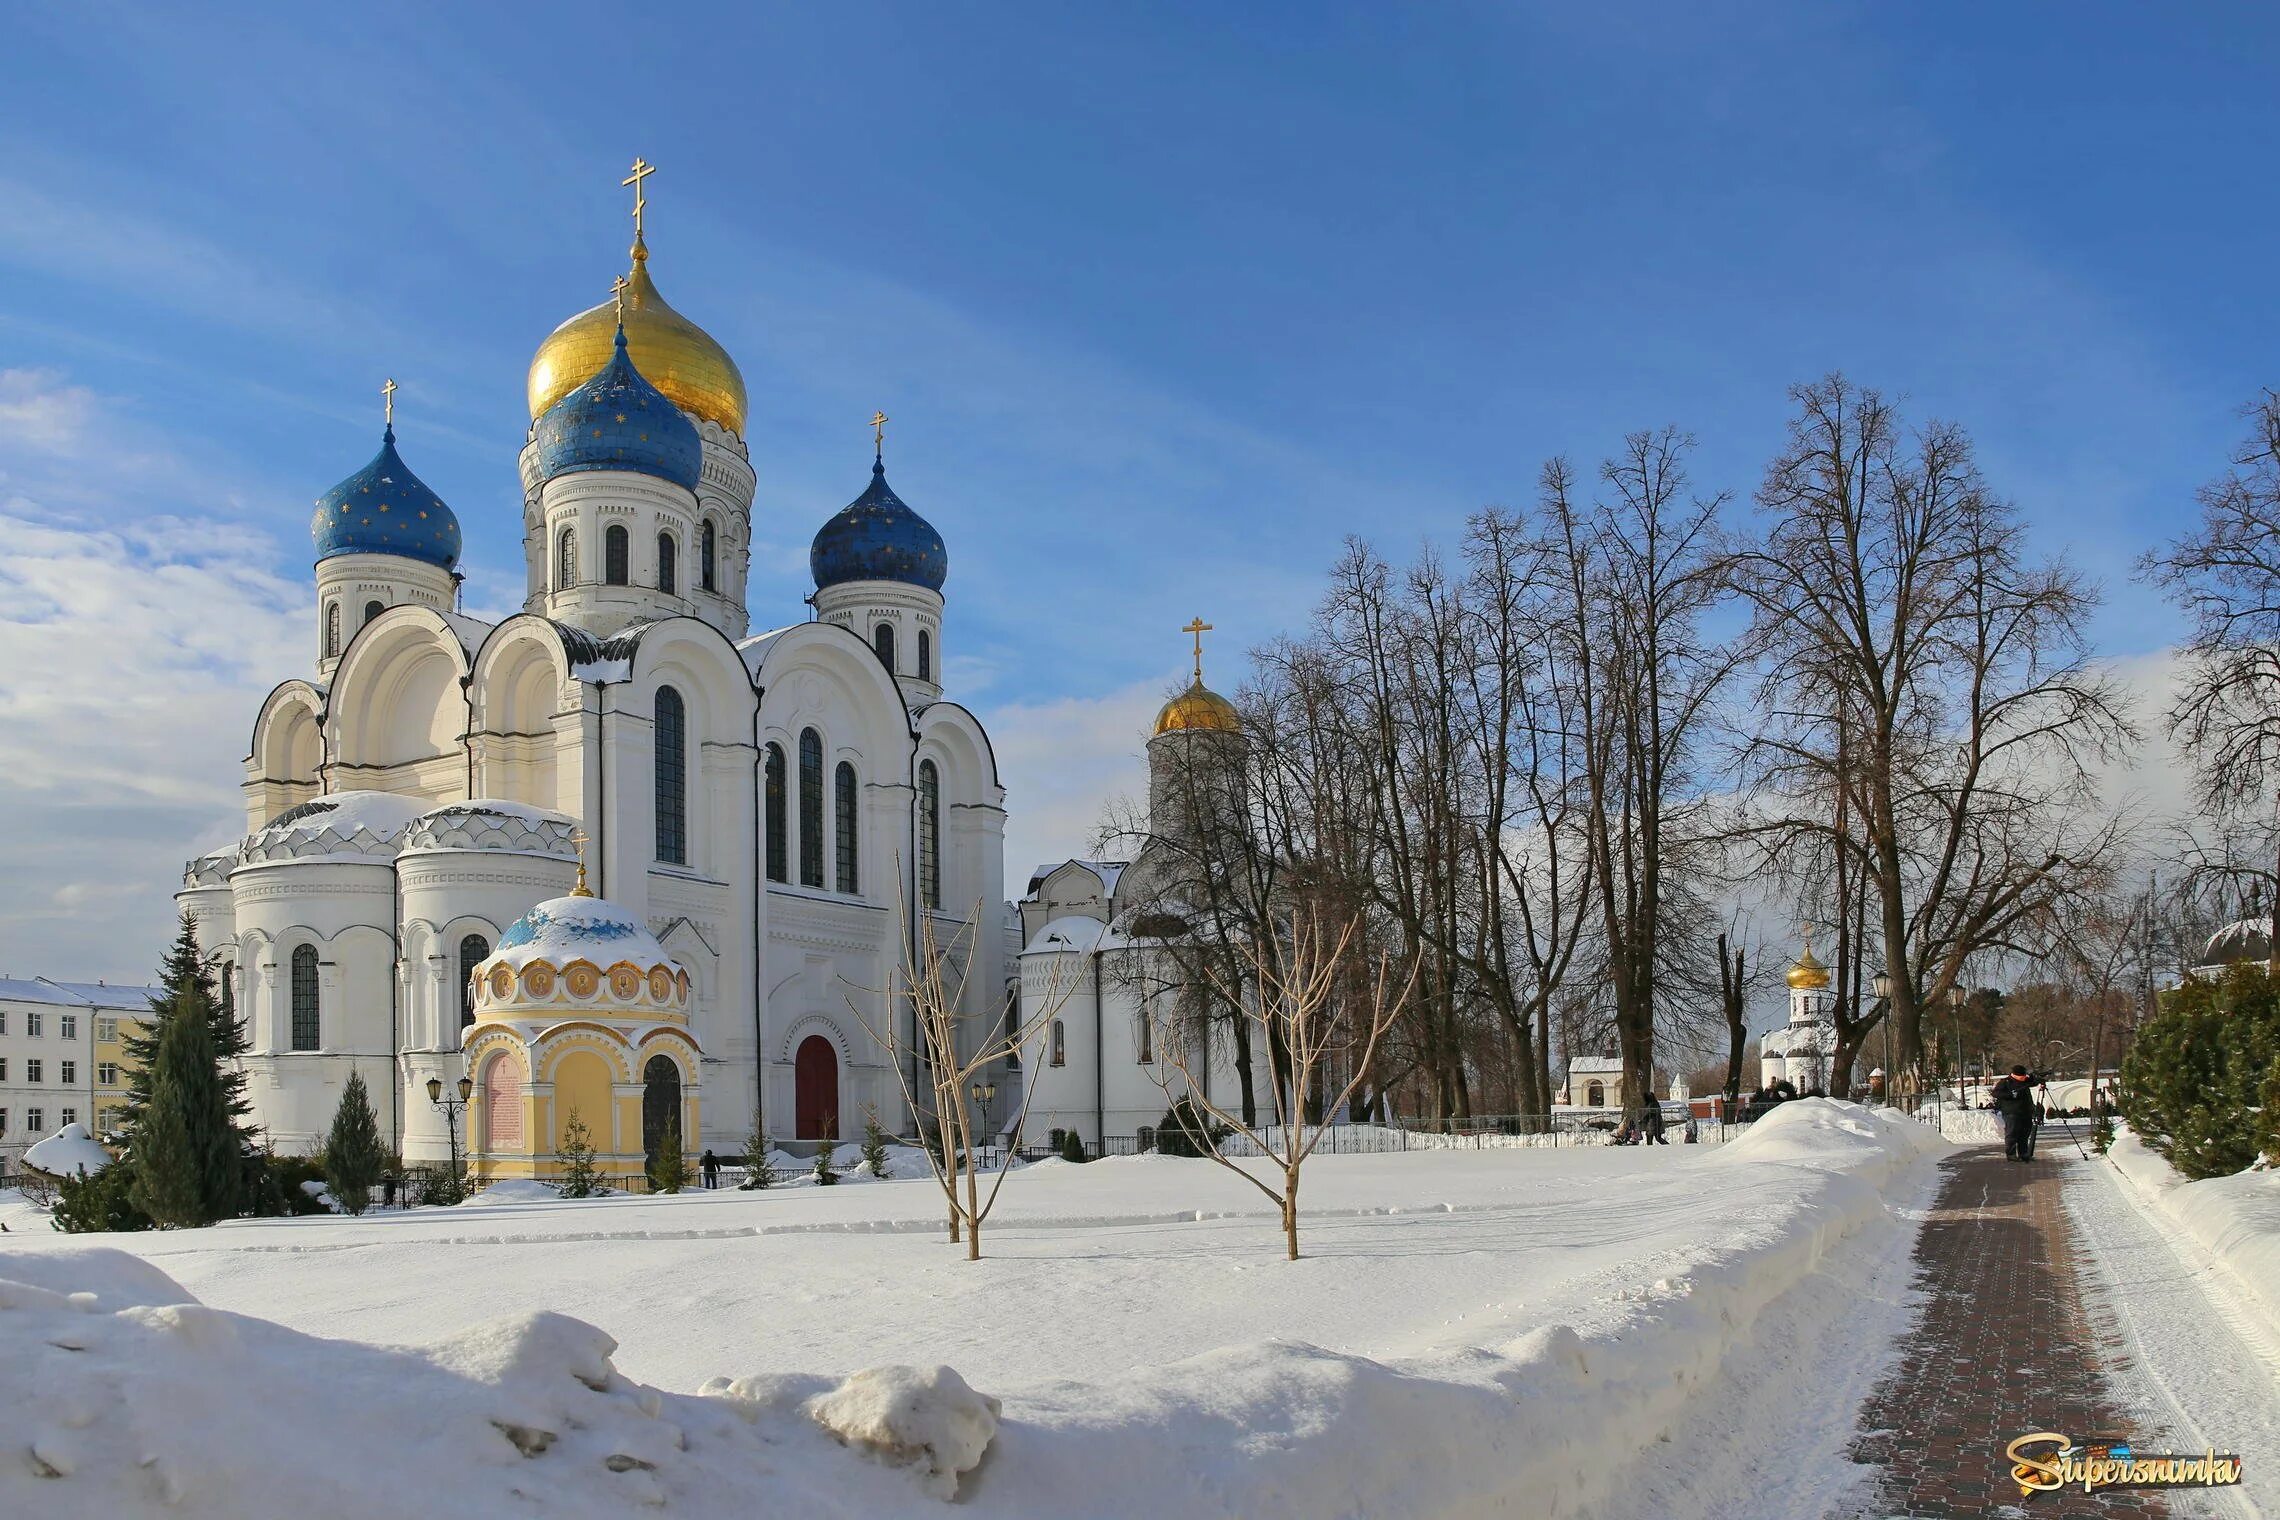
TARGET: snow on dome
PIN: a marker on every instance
(2248, 939)
(69, 1152)
(493, 807)
(344, 813)
(580, 928)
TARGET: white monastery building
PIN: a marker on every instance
(771, 809)
(1800, 1053)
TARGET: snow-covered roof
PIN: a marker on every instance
(1594, 1064)
(1106, 870)
(581, 928)
(755, 649)
(1073, 934)
(498, 807)
(471, 631)
(69, 1152)
(382, 814)
(123, 996)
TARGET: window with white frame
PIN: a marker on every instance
(70, 1116)
(70, 1073)
(32, 1023)
(3, 1121)
(32, 1071)
(35, 1119)
(106, 1030)
(67, 1026)
(106, 1073)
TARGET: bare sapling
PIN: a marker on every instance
(1322, 999)
(933, 987)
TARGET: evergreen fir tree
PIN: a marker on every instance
(354, 1159)
(759, 1171)
(874, 1142)
(102, 1202)
(669, 1169)
(185, 1150)
(187, 984)
(824, 1175)
(579, 1179)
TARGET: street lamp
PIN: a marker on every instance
(452, 1109)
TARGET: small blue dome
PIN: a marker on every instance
(385, 509)
(619, 421)
(877, 537)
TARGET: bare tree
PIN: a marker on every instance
(1325, 1001)
(1925, 669)
(1733, 1005)
(933, 983)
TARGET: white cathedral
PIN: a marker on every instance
(772, 810)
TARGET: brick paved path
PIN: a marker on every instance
(2004, 1347)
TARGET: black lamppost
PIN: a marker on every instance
(984, 1092)
(452, 1109)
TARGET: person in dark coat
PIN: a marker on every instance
(708, 1165)
(2015, 1106)
(1654, 1132)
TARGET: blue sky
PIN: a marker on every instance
(1164, 302)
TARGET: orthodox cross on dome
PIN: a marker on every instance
(1198, 628)
(879, 421)
(388, 402)
(618, 288)
(642, 169)
(578, 842)
(1807, 929)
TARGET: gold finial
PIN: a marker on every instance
(642, 169)
(618, 288)
(578, 841)
(388, 401)
(1198, 628)
(1807, 928)
(879, 421)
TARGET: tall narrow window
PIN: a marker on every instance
(566, 559)
(305, 997)
(1147, 1037)
(811, 808)
(779, 826)
(1059, 1055)
(617, 555)
(925, 655)
(373, 610)
(708, 556)
(843, 810)
(228, 982)
(672, 778)
(667, 572)
(883, 640)
(332, 630)
(929, 833)
(474, 950)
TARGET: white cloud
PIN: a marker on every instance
(1062, 762)
(39, 411)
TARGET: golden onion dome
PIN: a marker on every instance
(1808, 975)
(1199, 708)
(673, 353)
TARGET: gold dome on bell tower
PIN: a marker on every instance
(1198, 707)
(673, 353)
(1808, 975)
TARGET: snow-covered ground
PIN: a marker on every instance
(2188, 1276)
(1509, 1331)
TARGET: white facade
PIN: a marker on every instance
(451, 765)
(1801, 1052)
(51, 1063)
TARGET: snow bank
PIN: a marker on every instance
(119, 1394)
(2235, 1219)
(69, 1152)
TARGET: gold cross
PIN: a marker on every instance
(642, 169)
(1199, 628)
(388, 401)
(578, 842)
(879, 421)
(618, 288)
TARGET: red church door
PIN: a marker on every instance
(815, 1073)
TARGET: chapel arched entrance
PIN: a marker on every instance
(815, 1077)
(660, 1105)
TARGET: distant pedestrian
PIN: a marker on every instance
(1654, 1131)
(708, 1165)
(2015, 1106)
(1692, 1138)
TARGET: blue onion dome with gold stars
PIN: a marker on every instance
(877, 537)
(385, 509)
(619, 421)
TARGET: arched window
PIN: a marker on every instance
(1594, 1095)
(474, 950)
(332, 630)
(667, 572)
(929, 833)
(883, 642)
(228, 981)
(305, 997)
(779, 826)
(925, 655)
(811, 808)
(672, 778)
(1059, 1055)
(1147, 1038)
(566, 559)
(708, 556)
(843, 816)
(373, 610)
(617, 555)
